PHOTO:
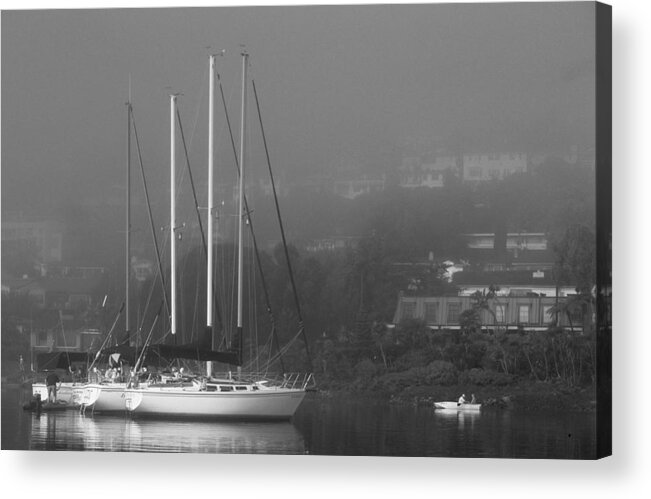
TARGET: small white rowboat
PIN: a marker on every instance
(456, 406)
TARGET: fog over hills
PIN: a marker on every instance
(339, 87)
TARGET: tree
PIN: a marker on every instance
(575, 254)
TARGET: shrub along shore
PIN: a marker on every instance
(524, 395)
(544, 370)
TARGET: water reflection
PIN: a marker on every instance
(325, 426)
(366, 428)
(73, 431)
(462, 418)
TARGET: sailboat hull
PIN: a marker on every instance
(268, 403)
(104, 398)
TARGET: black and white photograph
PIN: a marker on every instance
(334, 230)
(346, 230)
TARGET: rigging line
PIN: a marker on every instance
(250, 220)
(196, 205)
(149, 298)
(192, 264)
(149, 212)
(252, 308)
(289, 344)
(266, 350)
(108, 336)
(222, 284)
(194, 191)
(221, 287)
(143, 356)
(196, 121)
(282, 229)
(255, 312)
(196, 116)
(63, 333)
(271, 360)
(233, 290)
(195, 316)
(286, 348)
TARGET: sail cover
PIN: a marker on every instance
(130, 354)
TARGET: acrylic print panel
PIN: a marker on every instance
(385, 230)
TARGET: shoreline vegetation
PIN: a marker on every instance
(553, 369)
(523, 395)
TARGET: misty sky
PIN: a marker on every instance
(338, 85)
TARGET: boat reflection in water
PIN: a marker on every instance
(73, 431)
(463, 418)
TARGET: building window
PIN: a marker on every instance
(431, 313)
(454, 310)
(408, 310)
(548, 315)
(523, 314)
(474, 172)
(500, 314)
(57, 300)
(61, 341)
(79, 301)
(577, 315)
(41, 339)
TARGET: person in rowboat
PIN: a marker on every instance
(473, 400)
(462, 399)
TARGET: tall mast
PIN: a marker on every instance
(240, 250)
(211, 206)
(173, 212)
(127, 325)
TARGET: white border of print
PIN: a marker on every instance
(627, 472)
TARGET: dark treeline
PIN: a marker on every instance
(413, 355)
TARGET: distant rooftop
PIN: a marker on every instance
(510, 278)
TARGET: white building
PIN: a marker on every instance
(350, 189)
(414, 172)
(514, 240)
(482, 167)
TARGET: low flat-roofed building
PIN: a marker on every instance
(511, 283)
(529, 313)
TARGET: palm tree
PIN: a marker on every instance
(573, 305)
(483, 301)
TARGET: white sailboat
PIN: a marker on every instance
(103, 397)
(208, 397)
(107, 394)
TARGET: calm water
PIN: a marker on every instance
(321, 426)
